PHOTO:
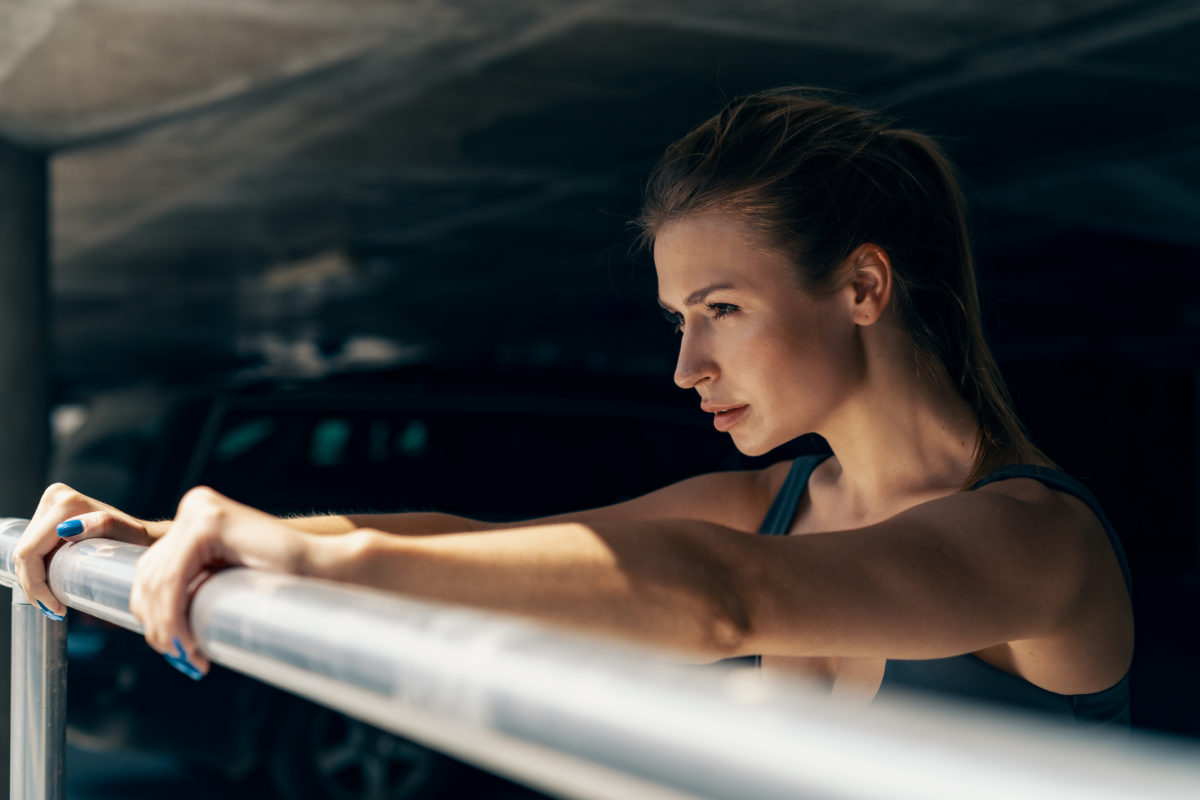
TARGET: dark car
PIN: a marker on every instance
(497, 449)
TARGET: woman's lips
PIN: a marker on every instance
(724, 420)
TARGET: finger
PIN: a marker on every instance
(29, 564)
(59, 509)
(56, 495)
(46, 500)
(188, 665)
(70, 528)
(157, 628)
(31, 575)
(160, 600)
(171, 634)
(147, 598)
(50, 614)
(185, 639)
(177, 624)
(29, 559)
(104, 524)
(41, 537)
(191, 652)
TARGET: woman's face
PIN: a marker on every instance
(770, 361)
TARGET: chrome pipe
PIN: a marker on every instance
(38, 721)
(590, 718)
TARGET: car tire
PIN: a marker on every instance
(319, 754)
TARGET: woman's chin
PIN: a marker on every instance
(750, 447)
(757, 446)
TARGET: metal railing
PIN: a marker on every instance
(570, 715)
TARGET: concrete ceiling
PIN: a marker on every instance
(300, 185)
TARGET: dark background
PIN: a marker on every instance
(276, 192)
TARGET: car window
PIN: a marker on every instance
(328, 441)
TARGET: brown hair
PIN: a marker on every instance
(816, 179)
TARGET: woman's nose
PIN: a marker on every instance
(693, 364)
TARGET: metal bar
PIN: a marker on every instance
(38, 728)
(589, 718)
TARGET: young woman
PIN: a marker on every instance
(816, 264)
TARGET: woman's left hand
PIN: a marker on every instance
(209, 531)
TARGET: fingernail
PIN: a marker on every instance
(185, 667)
(181, 663)
(51, 614)
(70, 527)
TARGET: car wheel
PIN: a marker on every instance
(319, 754)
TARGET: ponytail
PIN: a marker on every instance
(958, 341)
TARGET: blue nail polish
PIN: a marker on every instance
(51, 614)
(181, 663)
(70, 527)
(185, 667)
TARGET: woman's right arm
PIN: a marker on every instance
(734, 499)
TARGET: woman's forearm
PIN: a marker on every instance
(664, 583)
(416, 523)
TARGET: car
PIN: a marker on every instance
(497, 447)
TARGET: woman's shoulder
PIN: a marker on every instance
(1040, 482)
(1062, 501)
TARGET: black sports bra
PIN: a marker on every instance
(967, 675)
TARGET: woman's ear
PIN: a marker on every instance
(870, 285)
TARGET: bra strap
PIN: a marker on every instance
(1057, 479)
(779, 517)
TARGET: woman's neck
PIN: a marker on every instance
(900, 440)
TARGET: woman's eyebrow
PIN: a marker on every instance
(698, 296)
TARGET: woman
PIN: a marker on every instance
(815, 261)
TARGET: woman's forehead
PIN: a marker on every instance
(708, 249)
(706, 229)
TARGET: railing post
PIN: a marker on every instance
(38, 734)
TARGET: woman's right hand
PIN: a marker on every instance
(66, 515)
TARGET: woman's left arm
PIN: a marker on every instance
(946, 577)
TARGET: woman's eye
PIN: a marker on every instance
(674, 318)
(721, 309)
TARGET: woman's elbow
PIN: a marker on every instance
(726, 624)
